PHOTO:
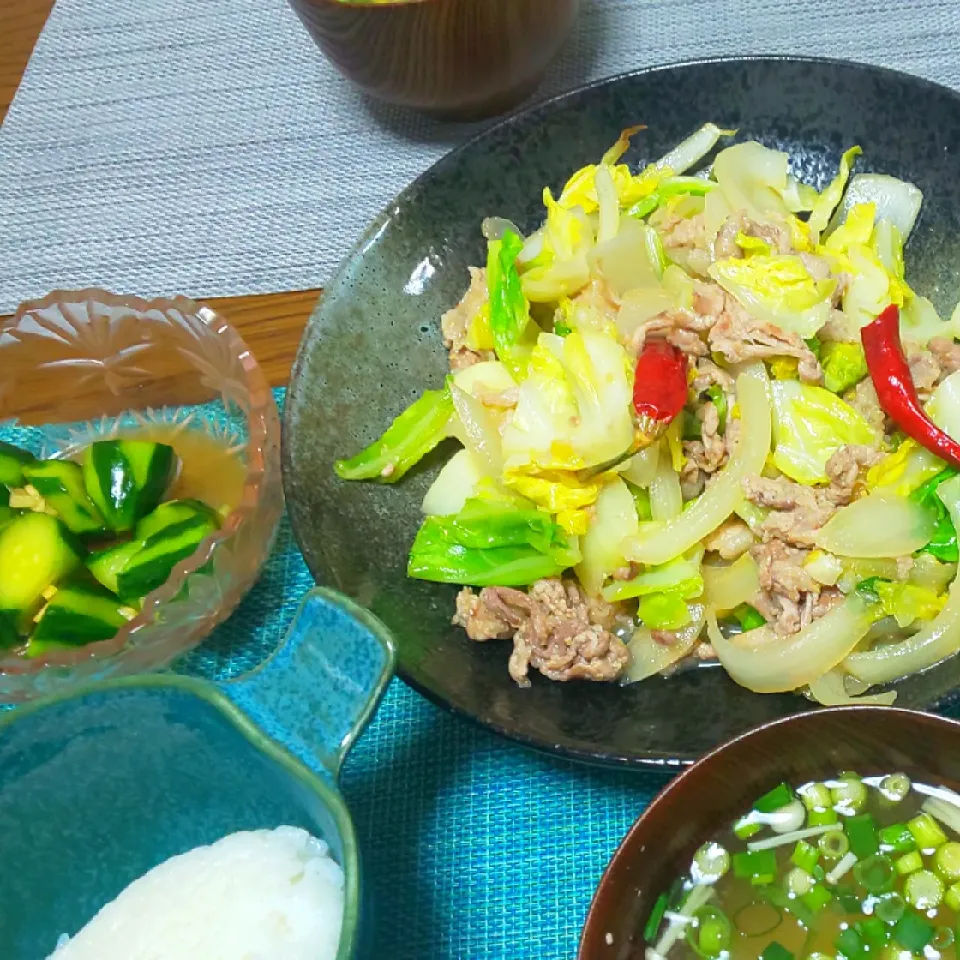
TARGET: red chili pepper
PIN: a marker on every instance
(896, 392)
(659, 387)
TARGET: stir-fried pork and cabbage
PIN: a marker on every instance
(702, 415)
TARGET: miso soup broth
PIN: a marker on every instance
(851, 868)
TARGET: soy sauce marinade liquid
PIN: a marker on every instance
(850, 868)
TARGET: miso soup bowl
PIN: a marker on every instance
(707, 797)
(456, 59)
(101, 784)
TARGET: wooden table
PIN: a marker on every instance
(272, 323)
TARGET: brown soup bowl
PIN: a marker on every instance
(459, 59)
(708, 796)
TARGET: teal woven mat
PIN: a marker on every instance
(472, 847)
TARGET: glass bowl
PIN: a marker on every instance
(78, 366)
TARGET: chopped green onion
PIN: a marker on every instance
(942, 939)
(926, 831)
(799, 881)
(757, 866)
(788, 819)
(947, 861)
(778, 797)
(817, 898)
(710, 863)
(789, 903)
(747, 827)
(822, 818)
(715, 931)
(875, 874)
(952, 898)
(908, 863)
(923, 890)
(895, 787)
(656, 918)
(947, 812)
(849, 794)
(757, 919)
(847, 901)
(776, 951)
(816, 796)
(711, 932)
(850, 944)
(834, 845)
(863, 835)
(749, 618)
(874, 931)
(897, 838)
(890, 907)
(804, 856)
(819, 872)
(912, 932)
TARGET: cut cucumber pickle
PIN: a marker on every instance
(77, 615)
(107, 565)
(9, 637)
(60, 483)
(36, 552)
(155, 560)
(12, 461)
(126, 479)
(175, 512)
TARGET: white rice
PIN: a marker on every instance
(260, 895)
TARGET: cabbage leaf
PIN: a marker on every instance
(844, 365)
(809, 425)
(828, 201)
(777, 289)
(574, 408)
(509, 312)
(491, 543)
(406, 441)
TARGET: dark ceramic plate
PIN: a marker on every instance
(374, 344)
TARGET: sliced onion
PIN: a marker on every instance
(764, 662)
(477, 430)
(944, 405)
(830, 690)
(878, 525)
(640, 305)
(649, 657)
(726, 587)
(641, 468)
(488, 376)
(533, 247)
(456, 482)
(691, 151)
(897, 201)
(494, 228)
(929, 572)
(562, 278)
(666, 499)
(614, 517)
(625, 260)
(608, 204)
(706, 513)
(939, 639)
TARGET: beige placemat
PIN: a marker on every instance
(161, 146)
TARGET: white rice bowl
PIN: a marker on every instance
(258, 895)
